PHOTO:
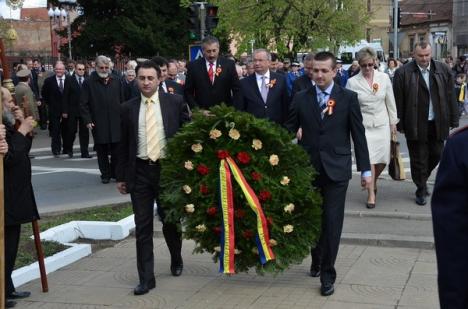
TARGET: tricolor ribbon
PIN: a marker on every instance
(228, 166)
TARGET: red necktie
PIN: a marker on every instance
(210, 73)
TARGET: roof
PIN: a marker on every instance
(443, 11)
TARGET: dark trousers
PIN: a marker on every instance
(74, 124)
(424, 157)
(143, 195)
(12, 237)
(106, 166)
(42, 116)
(326, 251)
(55, 131)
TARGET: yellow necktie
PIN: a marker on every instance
(152, 142)
(461, 97)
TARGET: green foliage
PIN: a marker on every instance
(290, 26)
(293, 162)
(140, 28)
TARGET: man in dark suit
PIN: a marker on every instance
(147, 122)
(326, 137)
(450, 218)
(52, 95)
(427, 109)
(305, 81)
(167, 85)
(71, 111)
(100, 101)
(264, 94)
(211, 80)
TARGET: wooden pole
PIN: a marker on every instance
(2, 214)
(40, 256)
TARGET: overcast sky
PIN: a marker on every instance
(5, 10)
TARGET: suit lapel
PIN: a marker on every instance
(315, 108)
(136, 117)
(164, 104)
(253, 83)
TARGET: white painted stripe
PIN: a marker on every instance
(36, 150)
(92, 171)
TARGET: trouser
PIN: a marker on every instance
(55, 131)
(12, 237)
(103, 151)
(74, 124)
(326, 251)
(42, 116)
(143, 195)
(424, 157)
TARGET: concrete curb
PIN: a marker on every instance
(390, 215)
(388, 240)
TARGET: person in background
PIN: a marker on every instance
(460, 92)
(392, 66)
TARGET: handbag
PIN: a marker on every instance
(396, 168)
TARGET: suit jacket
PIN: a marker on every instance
(301, 83)
(450, 218)
(201, 93)
(277, 104)
(52, 96)
(378, 108)
(327, 140)
(24, 95)
(174, 113)
(71, 97)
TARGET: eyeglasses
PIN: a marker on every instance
(369, 65)
(104, 68)
(79, 69)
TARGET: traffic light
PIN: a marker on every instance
(212, 19)
(194, 21)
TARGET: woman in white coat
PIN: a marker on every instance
(375, 94)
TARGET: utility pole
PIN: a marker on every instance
(202, 20)
(395, 29)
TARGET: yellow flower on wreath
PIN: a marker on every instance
(214, 134)
(274, 160)
(197, 147)
(288, 228)
(257, 144)
(234, 134)
(285, 180)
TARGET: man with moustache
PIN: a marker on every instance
(101, 96)
(147, 122)
(328, 115)
(211, 80)
(71, 111)
(264, 94)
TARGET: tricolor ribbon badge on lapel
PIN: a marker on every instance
(330, 106)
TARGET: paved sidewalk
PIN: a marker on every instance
(368, 277)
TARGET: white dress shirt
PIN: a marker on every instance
(214, 68)
(426, 75)
(259, 79)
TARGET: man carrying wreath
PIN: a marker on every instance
(328, 114)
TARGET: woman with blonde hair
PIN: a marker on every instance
(375, 95)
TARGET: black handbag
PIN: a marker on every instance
(396, 168)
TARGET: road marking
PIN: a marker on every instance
(65, 157)
(49, 170)
(36, 150)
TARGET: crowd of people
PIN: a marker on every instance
(131, 115)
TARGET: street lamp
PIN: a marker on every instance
(56, 14)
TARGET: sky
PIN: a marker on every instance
(15, 14)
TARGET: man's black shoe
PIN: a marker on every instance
(10, 303)
(144, 288)
(327, 289)
(86, 156)
(70, 154)
(105, 180)
(56, 155)
(176, 270)
(19, 295)
(421, 200)
(314, 271)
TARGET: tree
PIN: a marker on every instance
(290, 26)
(140, 28)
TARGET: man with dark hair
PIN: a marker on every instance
(264, 94)
(211, 80)
(427, 109)
(147, 122)
(328, 115)
(71, 111)
(101, 96)
(305, 81)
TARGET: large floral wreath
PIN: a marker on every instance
(243, 191)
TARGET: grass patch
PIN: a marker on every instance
(27, 251)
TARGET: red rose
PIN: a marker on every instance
(270, 220)
(217, 230)
(243, 157)
(223, 154)
(204, 189)
(202, 169)
(239, 213)
(256, 176)
(264, 196)
(247, 234)
(212, 211)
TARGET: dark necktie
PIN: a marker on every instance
(80, 81)
(61, 84)
(322, 102)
